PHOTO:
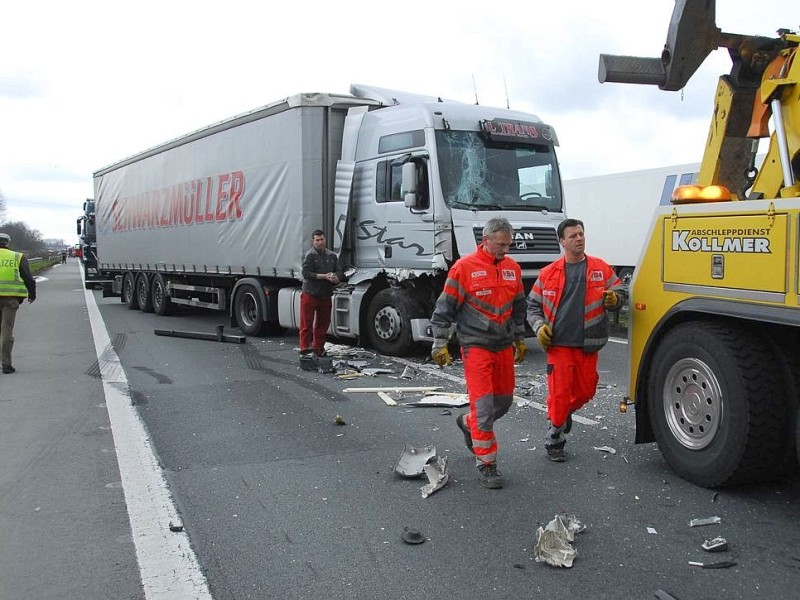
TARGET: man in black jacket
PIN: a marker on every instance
(320, 274)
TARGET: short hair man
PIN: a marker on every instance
(320, 274)
(485, 298)
(567, 310)
(16, 284)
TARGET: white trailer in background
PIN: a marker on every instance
(617, 210)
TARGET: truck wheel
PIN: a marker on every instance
(162, 305)
(389, 322)
(143, 294)
(249, 315)
(129, 296)
(715, 397)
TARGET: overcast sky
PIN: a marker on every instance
(84, 84)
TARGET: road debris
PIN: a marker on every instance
(436, 470)
(395, 390)
(175, 526)
(717, 544)
(339, 420)
(704, 521)
(387, 399)
(553, 542)
(373, 371)
(413, 459)
(449, 400)
(651, 530)
(408, 373)
(607, 449)
(718, 565)
(196, 335)
(411, 536)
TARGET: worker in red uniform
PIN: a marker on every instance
(485, 298)
(567, 311)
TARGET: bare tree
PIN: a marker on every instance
(23, 238)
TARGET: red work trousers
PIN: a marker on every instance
(571, 381)
(490, 386)
(315, 318)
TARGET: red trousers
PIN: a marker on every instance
(315, 318)
(571, 381)
(490, 386)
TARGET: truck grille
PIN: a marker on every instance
(529, 240)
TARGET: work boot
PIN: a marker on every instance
(489, 475)
(465, 430)
(8, 369)
(555, 442)
(556, 453)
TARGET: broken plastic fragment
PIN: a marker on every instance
(413, 460)
(608, 449)
(651, 530)
(704, 521)
(437, 476)
(553, 541)
(718, 544)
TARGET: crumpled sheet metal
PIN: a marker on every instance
(437, 476)
(553, 542)
(413, 460)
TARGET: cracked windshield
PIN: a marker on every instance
(490, 176)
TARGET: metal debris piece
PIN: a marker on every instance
(442, 400)
(704, 521)
(607, 449)
(718, 565)
(413, 460)
(372, 371)
(175, 526)
(196, 335)
(553, 542)
(412, 536)
(436, 471)
(396, 390)
(409, 372)
(387, 399)
(717, 544)
(651, 530)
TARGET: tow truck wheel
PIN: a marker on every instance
(143, 293)
(249, 315)
(129, 296)
(162, 305)
(389, 322)
(715, 397)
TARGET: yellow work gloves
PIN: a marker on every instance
(441, 355)
(545, 335)
(520, 350)
(610, 299)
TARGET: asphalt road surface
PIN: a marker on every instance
(277, 500)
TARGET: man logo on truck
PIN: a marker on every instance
(742, 241)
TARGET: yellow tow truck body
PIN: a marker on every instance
(714, 332)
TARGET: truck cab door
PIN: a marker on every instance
(402, 225)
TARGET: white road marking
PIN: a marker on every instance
(437, 372)
(618, 340)
(167, 564)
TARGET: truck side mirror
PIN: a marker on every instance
(79, 226)
(409, 185)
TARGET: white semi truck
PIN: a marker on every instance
(618, 209)
(401, 184)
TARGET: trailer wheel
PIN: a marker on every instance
(715, 397)
(249, 315)
(129, 296)
(162, 305)
(389, 322)
(143, 293)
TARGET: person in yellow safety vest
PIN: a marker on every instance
(16, 284)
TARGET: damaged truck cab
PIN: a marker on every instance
(401, 184)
